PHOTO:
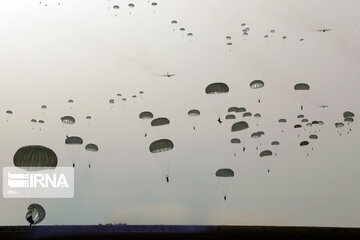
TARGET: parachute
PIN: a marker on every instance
(235, 145)
(247, 114)
(160, 122)
(230, 117)
(257, 84)
(73, 144)
(275, 144)
(232, 109)
(194, 113)
(217, 92)
(145, 116)
(91, 150)
(225, 178)
(161, 150)
(348, 114)
(161, 126)
(174, 22)
(36, 213)
(35, 157)
(67, 122)
(241, 109)
(267, 154)
(239, 126)
(301, 89)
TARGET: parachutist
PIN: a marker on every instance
(73, 165)
(219, 120)
(302, 108)
(259, 101)
(89, 166)
(224, 198)
(268, 170)
(167, 178)
(243, 149)
(145, 135)
(194, 128)
(235, 154)
(30, 220)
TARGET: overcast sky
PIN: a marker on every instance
(87, 51)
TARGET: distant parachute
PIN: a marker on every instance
(247, 114)
(301, 89)
(36, 157)
(257, 84)
(313, 136)
(161, 150)
(36, 213)
(174, 22)
(225, 178)
(232, 109)
(266, 153)
(146, 115)
(116, 7)
(230, 117)
(194, 113)
(161, 126)
(348, 114)
(91, 149)
(68, 120)
(304, 143)
(241, 109)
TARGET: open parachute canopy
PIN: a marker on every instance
(91, 147)
(239, 126)
(68, 120)
(301, 86)
(35, 156)
(160, 122)
(146, 115)
(266, 153)
(257, 84)
(36, 213)
(194, 113)
(161, 145)
(73, 140)
(224, 172)
(217, 88)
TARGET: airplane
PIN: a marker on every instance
(168, 75)
(324, 30)
(324, 106)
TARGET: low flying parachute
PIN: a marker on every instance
(35, 157)
(36, 213)
(161, 150)
(225, 178)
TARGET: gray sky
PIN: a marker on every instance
(81, 50)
